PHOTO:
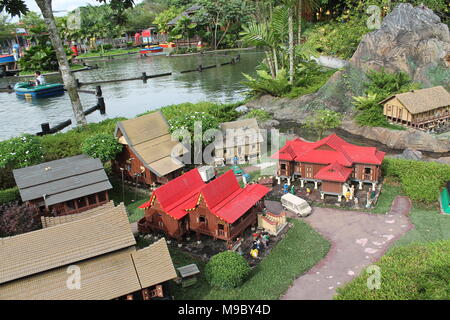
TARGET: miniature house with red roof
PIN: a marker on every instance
(220, 209)
(331, 163)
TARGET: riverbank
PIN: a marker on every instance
(297, 110)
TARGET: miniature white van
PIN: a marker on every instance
(295, 204)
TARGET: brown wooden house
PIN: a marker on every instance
(331, 163)
(100, 248)
(64, 186)
(146, 157)
(422, 109)
(220, 209)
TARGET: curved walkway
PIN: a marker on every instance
(357, 239)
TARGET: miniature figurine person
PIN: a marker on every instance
(293, 189)
(308, 190)
(285, 188)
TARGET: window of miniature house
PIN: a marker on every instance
(92, 199)
(367, 170)
(70, 204)
(102, 196)
(202, 219)
(81, 202)
(283, 166)
(221, 226)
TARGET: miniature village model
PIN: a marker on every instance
(220, 209)
(422, 109)
(65, 186)
(242, 141)
(147, 146)
(100, 244)
(330, 163)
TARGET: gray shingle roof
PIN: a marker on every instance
(62, 180)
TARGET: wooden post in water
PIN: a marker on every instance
(45, 128)
(98, 91)
(77, 82)
(144, 77)
(200, 68)
(101, 105)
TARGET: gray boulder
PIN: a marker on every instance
(412, 154)
(242, 109)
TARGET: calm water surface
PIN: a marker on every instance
(130, 98)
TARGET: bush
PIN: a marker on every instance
(107, 46)
(415, 272)
(9, 195)
(67, 144)
(17, 219)
(227, 270)
(258, 114)
(19, 152)
(102, 146)
(421, 181)
(265, 84)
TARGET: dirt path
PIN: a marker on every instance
(357, 240)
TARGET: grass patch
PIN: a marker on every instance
(414, 272)
(429, 225)
(132, 198)
(300, 250)
(107, 53)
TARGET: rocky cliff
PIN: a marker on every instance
(411, 39)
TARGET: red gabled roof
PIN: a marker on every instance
(227, 200)
(334, 172)
(179, 194)
(223, 196)
(329, 150)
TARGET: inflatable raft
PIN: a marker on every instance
(27, 90)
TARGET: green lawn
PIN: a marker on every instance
(415, 272)
(132, 201)
(299, 251)
(107, 52)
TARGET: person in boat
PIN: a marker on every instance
(39, 78)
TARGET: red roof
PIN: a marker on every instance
(334, 172)
(223, 196)
(329, 150)
(227, 200)
(178, 195)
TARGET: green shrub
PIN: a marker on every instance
(258, 114)
(67, 144)
(227, 270)
(9, 195)
(265, 84)
(414, 272)
(420, 180)
(107, 46)
(102, 146)
(19, 152)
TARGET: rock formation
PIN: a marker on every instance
(411, 39)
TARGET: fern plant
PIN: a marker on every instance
(265, 84)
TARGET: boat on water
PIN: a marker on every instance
(6, 58)
(168, 45)
(28, 90)
(151, 49)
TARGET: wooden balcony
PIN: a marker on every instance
(244, 224)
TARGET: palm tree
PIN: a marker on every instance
(290, 5)
(68, 78)
(271, 35)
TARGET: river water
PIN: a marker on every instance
(130, 98)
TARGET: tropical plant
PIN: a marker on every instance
(323, 120)
(227, 270)
(183, 29)
(102, 146)
(220, 16)
(266, 84)
(163, 18)
(258, 114)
